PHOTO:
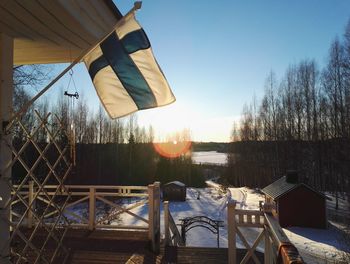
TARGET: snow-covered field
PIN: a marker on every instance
(209, 157)
(315, 245)
(212, 203)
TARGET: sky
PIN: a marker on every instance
(216, 55)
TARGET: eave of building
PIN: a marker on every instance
(293, 188)
(55, 31)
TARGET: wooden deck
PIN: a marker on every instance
(203, 255)
(132, 247)
(103, 246)
(109, 246)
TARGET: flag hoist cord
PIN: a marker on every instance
(71, 117)
(137, 5)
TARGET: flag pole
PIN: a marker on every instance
(137, 6)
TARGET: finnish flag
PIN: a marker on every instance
(125, 73)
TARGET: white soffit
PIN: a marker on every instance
(54, 31)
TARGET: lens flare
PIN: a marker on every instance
(172, 149)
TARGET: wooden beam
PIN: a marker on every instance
(92, 213)
(30, 204)
(150, 211)
(6, 95)
(156, 247)
(166, 223)
(231, 222)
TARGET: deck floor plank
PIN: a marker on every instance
(131, 247)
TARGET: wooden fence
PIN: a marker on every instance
(277, 247)
(88, 196)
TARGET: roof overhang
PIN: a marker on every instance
(275, 198)
(55, 31)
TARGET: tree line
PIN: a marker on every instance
(302, 122)
(116, 152)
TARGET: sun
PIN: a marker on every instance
(169, 121)
(171, 126)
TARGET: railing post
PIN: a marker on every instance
(267, 252)
(166, 223)
(150, 211)
(30, 204)
(231, 222)
(92, 208)
(154, 215)
(156, 243)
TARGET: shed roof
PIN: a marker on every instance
(178, 183)
(57, 30)
(280, 187)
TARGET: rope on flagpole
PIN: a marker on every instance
(71, 116)
(137, 5)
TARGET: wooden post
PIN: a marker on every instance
(6, 96)
(154, 215)
(166, 224)
(92, 208)
(31, 204)
(231, 222)
(267, 253)
(150, 212)
(218, 235)
(157, 217)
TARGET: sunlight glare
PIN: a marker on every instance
(170, 120)
(173, 149)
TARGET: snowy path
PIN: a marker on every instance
(240, 197)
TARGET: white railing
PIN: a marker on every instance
(277, 247)
(88, 195)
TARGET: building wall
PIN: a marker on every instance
(302, 207)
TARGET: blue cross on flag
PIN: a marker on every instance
(125, 73)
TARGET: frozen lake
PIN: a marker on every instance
(209, 157)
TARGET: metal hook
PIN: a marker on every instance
(75, 95)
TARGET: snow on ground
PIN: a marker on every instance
(315, 245)
(209, 157)
(246, 198)
(340, 216)
(323, 245)
(212, 203)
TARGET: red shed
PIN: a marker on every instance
(296, 204)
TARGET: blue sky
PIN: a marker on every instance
(217, 54)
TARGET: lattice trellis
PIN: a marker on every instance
(40, 156)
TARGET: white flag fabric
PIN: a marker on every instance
(125, 73)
